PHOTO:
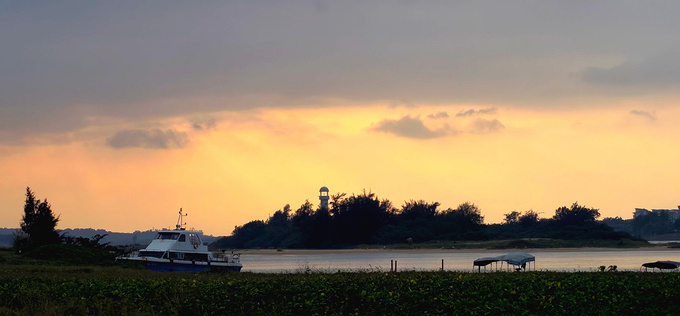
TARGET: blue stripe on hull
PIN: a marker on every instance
(169, 267)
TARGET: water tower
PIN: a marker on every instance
(323, 197)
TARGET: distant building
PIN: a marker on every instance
(673, 214)
(323, 197)
(640, 212)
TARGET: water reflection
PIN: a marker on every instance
(423, 260)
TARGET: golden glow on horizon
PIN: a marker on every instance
(253, 163)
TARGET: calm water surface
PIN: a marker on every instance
(458, 260)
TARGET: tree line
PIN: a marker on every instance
(354, 220)
(366, 219)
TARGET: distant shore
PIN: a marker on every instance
(430, 250)
(504, 245)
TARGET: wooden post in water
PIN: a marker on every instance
(391, 265)
(442, 264)
(395, 265)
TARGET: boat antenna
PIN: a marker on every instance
(179, 220)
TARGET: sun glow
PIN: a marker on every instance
(253, 163)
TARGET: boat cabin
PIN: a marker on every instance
(176, 244)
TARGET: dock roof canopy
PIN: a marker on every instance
(669, 265)
(513, 258)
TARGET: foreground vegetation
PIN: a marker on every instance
(31, 287)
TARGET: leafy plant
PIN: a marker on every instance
(113, 290)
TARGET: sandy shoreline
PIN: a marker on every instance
(439, 250)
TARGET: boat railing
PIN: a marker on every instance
(130, 254)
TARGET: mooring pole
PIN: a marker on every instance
(442, 264)
(391, 265)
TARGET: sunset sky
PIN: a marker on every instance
(121, 112)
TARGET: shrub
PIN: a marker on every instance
(72, 254)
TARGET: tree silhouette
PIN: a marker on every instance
(455, 223)
(412, 210)
(244, 236)
(321, 233)
(576, 215)
(30, 208)
(38, 222)
(302, 221)
(466, 216)
(512, 217)
(358, 217)
(529, 218)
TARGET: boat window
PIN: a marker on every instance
(196, 256)
(176, 255)
(154, 254)
(167, 236)
(195, 239)
(182, 237)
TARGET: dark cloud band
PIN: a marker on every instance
(151, 139)
(409, 127)
(472, 112)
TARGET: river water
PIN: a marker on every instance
(291, 261)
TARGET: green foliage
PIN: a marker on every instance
(73, 254)
(104, 250)
(117, 291)
(94, 242)
(21, 242)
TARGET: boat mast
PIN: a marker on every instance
(179, 221)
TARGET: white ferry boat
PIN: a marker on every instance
(182, 250)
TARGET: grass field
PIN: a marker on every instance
(27, 288)
(39, 287)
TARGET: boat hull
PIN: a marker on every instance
(183, 267)
(187, 266)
